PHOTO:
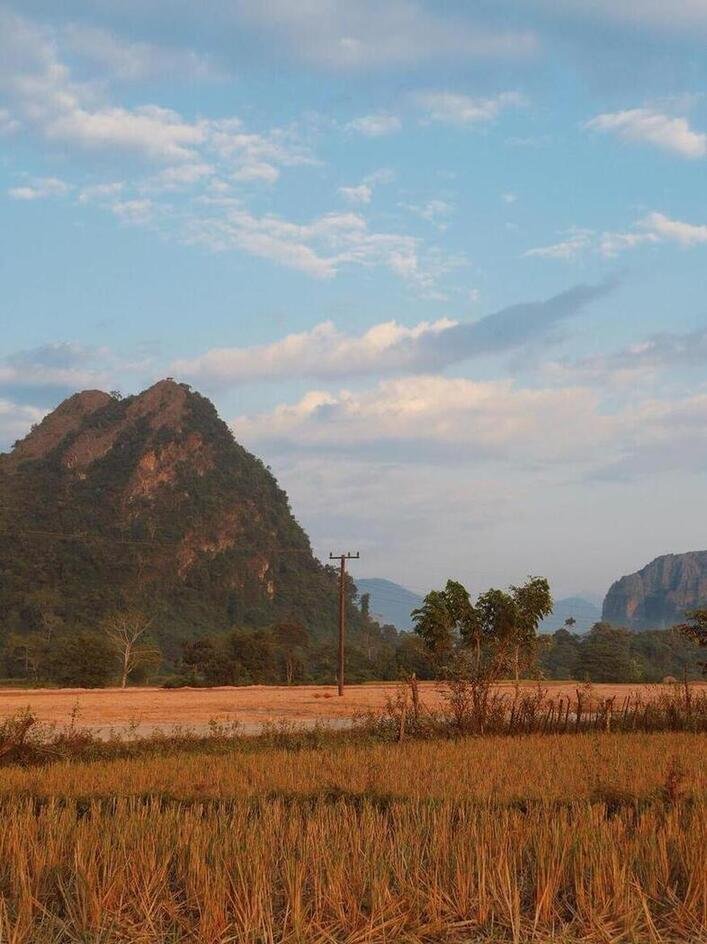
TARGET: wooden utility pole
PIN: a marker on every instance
(342, 558)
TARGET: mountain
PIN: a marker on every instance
(658, 595)
(149, 502)
(583, 611)
(390, 603)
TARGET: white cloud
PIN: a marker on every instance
(677, 16)
(433, 211)
(8, 124)
(576, 242)
(321, 247)
(325, 352)
(375, 126)
(181, 175)
(438, 416)
(653, 229)
(63, 365)
(360, 194)
(42, 96)
(456, 109)
(686, 234)
(134, 61)
(646, 126)
(100, 193)
(342, 36)
(322, 352)
(39, 189)
(135, 212)
(425, 420)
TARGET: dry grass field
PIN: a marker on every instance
(148, 708)
(593, 838)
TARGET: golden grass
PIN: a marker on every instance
(537, 768)
(277, 872)
(592, 837)
(151, 707)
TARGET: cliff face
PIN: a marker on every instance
(658, 595)
(150, 502)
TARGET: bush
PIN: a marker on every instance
(81, 660)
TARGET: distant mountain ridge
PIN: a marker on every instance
(390, 602)
(584, 612)
(658, 595)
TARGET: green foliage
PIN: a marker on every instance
(80, 544)
(499, 630)
(81, 660)
(611, 654)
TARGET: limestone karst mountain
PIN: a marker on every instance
(149, 501)
(659, 594)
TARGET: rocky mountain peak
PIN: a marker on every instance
(149, 501)
(658, 595)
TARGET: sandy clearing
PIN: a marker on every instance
(148, 708)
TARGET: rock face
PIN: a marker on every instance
(658, 595)
(149, 502)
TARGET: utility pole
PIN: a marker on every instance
(342, 558)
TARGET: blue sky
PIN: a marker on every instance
(442, 265)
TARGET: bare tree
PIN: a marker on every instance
(126, 632)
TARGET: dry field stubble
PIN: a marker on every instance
(148, 708)
(588, 837)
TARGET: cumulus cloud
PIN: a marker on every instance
(453, 108)
(359, 194)
(39, 188)
(426, 420)
(686, 234)
(428, 417)
(43, 96)
(326, 352)
(646, 126)
(375, 126)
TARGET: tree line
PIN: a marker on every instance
(495, 636)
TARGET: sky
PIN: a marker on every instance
(442, 265)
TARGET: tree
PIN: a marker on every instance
(559, 660)
(696, 630)
(500, 629)
(605, 655)
(292, 640)
(82, 659)
(125, 633)
(533, 602)
(435, 624)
